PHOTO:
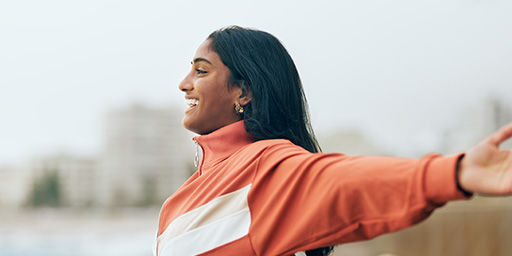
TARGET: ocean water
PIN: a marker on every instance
(21, 243)
(69, 234)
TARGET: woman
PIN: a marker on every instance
(262, 188)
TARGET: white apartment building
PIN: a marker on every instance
(14, 184)
(77, 177)
(147, 155)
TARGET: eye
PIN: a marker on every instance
(200, 71)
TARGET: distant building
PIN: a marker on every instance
(77, 177)
(14, 184)
(147, 155)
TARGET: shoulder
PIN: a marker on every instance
(273, 151)
(270, 146)
(269, 150)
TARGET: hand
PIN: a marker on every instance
(487, 169)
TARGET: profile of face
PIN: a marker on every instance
(210, 99)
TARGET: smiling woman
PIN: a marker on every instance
(263, 188)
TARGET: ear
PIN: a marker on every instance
(246, 94)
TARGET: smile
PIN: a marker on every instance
(191, 102)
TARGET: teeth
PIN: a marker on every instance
(192, 102)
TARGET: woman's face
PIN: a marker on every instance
(211, 105)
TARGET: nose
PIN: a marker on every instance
(186, 84)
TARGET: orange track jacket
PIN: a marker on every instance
(271, 197)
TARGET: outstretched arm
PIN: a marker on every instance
(486, 169)
(300, 201)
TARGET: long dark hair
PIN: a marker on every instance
(259, 62)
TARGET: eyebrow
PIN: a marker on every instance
(196, 60)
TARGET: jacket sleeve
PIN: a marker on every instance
(302, 200)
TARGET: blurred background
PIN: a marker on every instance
(91, 141)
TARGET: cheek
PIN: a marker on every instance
(220, 106)
(218, 98)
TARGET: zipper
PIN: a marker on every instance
(198, 157)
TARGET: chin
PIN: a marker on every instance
(186, 123)
(192, 126)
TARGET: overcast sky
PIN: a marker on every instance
(398, 70)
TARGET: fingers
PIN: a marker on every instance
(501, 135)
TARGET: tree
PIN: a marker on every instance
(46, 191)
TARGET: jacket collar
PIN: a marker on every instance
(223, 142)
